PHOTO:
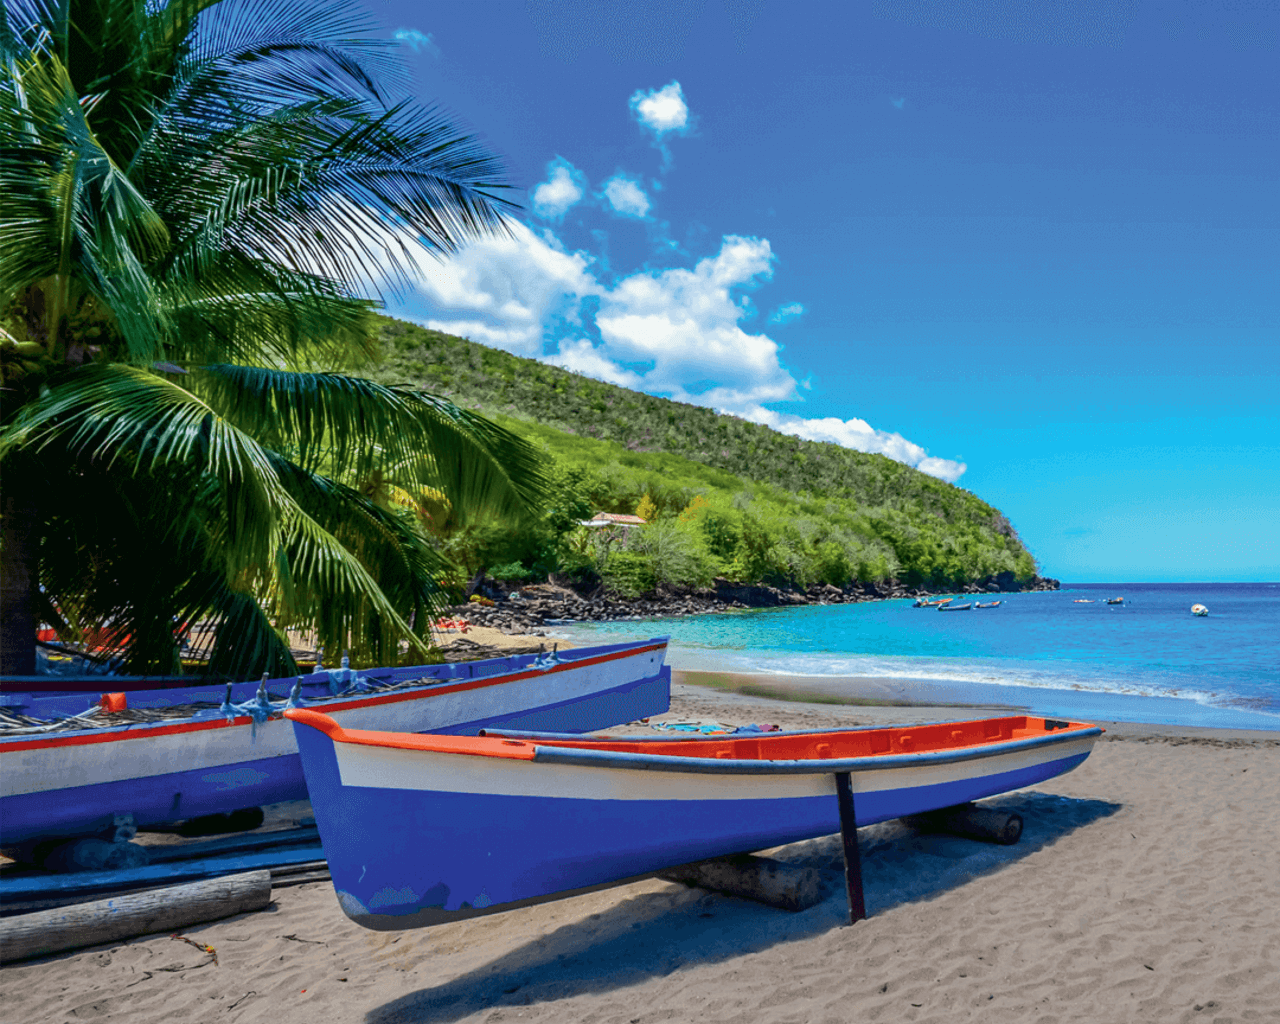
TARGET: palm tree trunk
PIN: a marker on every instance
(18, 538)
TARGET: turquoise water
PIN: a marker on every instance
(1148, 659)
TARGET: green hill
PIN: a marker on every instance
(739, 499)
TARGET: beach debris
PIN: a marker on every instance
(710, 728)
(198, 945)
(706, 728)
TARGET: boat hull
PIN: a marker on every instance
(81, 782)
(461, 836)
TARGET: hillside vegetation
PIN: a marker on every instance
(728, 497)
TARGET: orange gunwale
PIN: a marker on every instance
(849, 743)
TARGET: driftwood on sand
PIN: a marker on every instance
(123, 917)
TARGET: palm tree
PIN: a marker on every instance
(197, 200)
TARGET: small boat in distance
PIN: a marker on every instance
(1199, 610)
(77, 764)
(989, 604)
(1083, 600)
(1115, 600)
(954, 607)
(423, 829)
(922, 603)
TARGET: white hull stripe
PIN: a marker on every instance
(388, 768)
(146, 751)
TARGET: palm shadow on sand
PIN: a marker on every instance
(656, 933)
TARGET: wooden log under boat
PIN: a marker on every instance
(987, 824)
(751, 877)
(125, 917)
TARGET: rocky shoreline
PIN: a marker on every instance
(529, 609)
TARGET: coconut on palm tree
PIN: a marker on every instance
(200, 201)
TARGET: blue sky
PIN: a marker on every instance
(1028, 247)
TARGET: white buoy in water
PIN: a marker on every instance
(1199, 609)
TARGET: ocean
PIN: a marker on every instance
(1066, 653)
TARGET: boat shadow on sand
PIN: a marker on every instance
(657, 932)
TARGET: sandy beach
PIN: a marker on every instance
(1146, 887)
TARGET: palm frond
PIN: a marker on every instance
(137, 422)
(335, 188)
(67, 212)
(250, 311)
(388, 546)
(354, 426)
(136, 574)
(202, 513)
(212, 182)
(246, 643)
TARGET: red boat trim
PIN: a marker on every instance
(909, 744)
(485, 746)
(133, 732)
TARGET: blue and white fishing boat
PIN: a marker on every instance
(419, 830)
(84, 763)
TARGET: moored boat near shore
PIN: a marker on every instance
(80, 764)
(419, 830)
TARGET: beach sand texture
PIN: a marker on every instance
(1146, 887)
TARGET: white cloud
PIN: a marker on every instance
(661, 110)
(506, 291)
(943, 469)
(416, 40)
(790, 311)
(564, 188)
(684, 325)
(581, 356)
(675, 332)
(861, 436)
(626, 196)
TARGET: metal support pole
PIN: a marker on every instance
(852, 858)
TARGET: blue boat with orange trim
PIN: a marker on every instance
(420, 830)
(83, 763)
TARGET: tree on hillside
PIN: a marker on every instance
(197, 199)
